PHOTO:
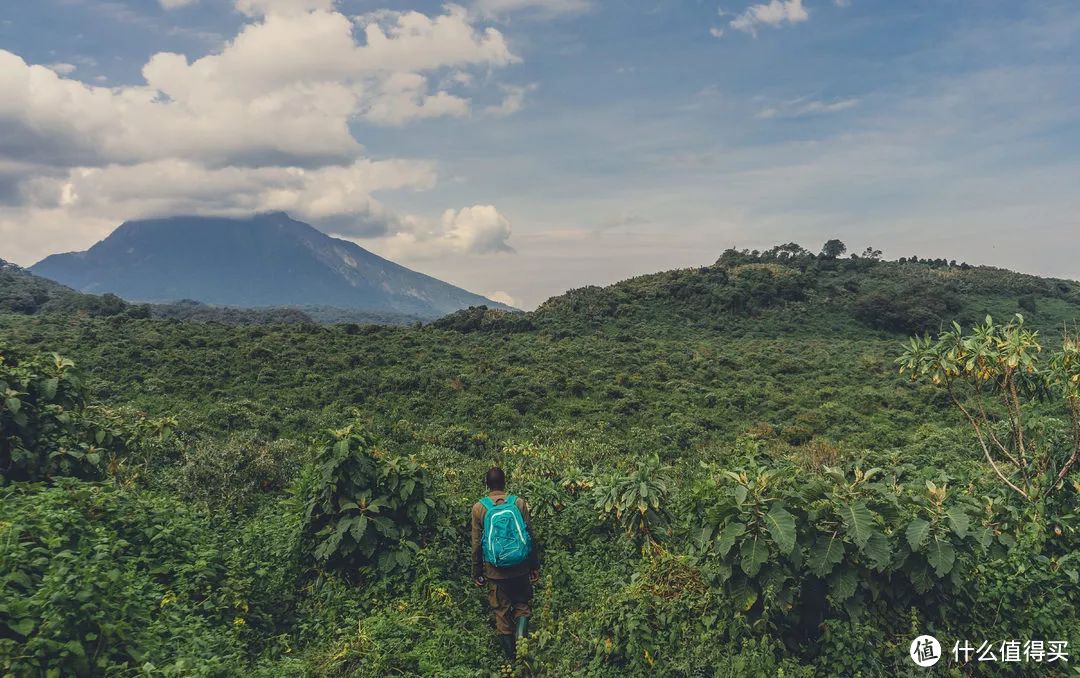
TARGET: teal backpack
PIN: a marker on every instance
(506, 538)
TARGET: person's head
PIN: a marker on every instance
(495, 479)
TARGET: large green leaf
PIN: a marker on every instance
(743, 595)
(23, 627)
(858, 521)
(917, 532)
(921, 579)
(842, 584)
(752, 555)
(385, 526)
(330, 544)
(828, 550)
(781, 526)
(877, 549)
(48, 388)
(740, 494)
(358, 528)
(941, 555)
(727, 538)
(772, 577)
(959, 521)
(342, 447)
(723, 571)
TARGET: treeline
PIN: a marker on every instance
(789, 289)
(776, 290)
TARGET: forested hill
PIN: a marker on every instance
(680, 351)
(727, 472)
(783, 290)
(23, 292)
(790, 290)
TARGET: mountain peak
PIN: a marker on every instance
(267, 259)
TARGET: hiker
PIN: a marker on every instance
(505, 559)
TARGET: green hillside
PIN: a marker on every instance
(727, 472)
(24, 293)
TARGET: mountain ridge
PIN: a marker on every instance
(265, 260)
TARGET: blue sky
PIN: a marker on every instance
(522, 147)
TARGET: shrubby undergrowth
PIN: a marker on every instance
(727, 476)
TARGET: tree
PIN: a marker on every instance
(366, 507)
(43, 432)
(786, 251)
(833, 249)
(992, 375)
(637, 501)
(871, 253)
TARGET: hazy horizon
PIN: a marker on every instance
(519, 148)
(712, 259)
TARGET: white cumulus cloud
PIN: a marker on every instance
(479, 229)
(502, 298)
(513, 100)
(774, 13)
(264, 123)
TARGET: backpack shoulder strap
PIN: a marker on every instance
(511, 500)
(487, 503)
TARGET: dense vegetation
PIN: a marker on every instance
(728, 474)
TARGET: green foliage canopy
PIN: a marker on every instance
(367, 507)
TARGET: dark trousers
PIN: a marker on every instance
(509, 600)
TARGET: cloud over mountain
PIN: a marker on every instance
(266, 123)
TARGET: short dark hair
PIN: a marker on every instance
(495, 478)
